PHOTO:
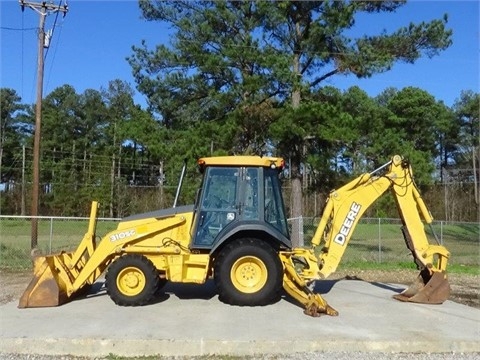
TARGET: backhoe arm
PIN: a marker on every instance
(344, 208)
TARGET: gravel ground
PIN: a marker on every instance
(300, 356)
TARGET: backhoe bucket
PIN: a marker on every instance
(427, 289)
(46, 288)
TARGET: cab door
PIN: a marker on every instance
(218, 204)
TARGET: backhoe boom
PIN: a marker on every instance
(345, 207)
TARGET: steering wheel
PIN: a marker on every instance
(219, 201)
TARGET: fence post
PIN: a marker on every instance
(51, 235)
(301, 239)
(441, 232)
(379, 240)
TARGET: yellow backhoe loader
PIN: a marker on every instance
(237, 234)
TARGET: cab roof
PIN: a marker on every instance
(242, 160)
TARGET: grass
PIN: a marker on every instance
(392, 266)
(464, 269)
(371, 246)
(51, 235)
(14, 258)
(383, 243)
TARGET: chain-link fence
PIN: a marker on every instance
(381, 240)
(374, 240)
(54, 234)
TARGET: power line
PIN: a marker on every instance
(53, 60)
(17, 29)
(53, 28)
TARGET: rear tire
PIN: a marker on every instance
(248, 272)
(132, 280)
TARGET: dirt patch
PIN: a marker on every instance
(13, 284)
(465, 289)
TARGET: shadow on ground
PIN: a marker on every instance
(208, 290)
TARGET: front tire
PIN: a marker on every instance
(248, 272)
(132, 280)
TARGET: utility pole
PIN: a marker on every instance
(43, 9)
(23, 182)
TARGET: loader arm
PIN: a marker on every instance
(59, 277)
(344, 208)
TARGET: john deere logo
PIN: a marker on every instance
(341, 237)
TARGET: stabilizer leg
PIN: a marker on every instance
(315, 305)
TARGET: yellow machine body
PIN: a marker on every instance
(344, 208)
(248, 263)
(59, 277)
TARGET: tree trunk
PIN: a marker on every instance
(297, 206)
(160, 184)
(22, 203)
(73, 170)
(112, 171)
(297, 196)
(475, 157)
(112, 185)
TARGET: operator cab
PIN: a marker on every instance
(236, 190)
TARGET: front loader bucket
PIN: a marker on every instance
(46, 288)
(427, 289)
(54, 275)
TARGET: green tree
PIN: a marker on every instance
(445, 129)
(215, 70)
(226, 54)
(118, 97)
(61, 174)
(467, 109)
(419, 123)
(314, 42)
(15, 130)
(367, 142)
(447, 134)
(92, 122)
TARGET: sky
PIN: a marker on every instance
(90, 45)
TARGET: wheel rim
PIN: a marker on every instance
(131, 281)
(249, 274)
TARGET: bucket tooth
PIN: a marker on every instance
(427, 289)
